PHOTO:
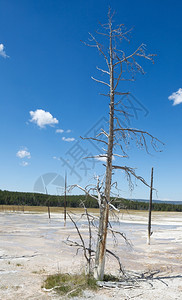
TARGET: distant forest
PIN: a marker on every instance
(35, 199)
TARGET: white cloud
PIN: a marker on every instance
(59, 130)
(176, 97)
(68, 139)
(2, 52)
(24, 163)
(68, 131)
(102, 158)
(23, 153)
(55, 157)
(42, 118)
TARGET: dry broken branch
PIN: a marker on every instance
(104, 71)
(82, 240)
(121, 234)
(100, 81)
(83, 189)
(75, 244)
(131, 171)
(94, 139)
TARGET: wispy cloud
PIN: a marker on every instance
(42, 118)
(23, 153)
(2, 51)
(24, 164)
(55, 157)
(62, 130)
(176, 97)
(59, 130)
(68, 139)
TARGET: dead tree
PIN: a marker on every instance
(48, 205)
(65, 199)
(48, 210)
(119, 67)
(150, 208)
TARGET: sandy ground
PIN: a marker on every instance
(32, 246)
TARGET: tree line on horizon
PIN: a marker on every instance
(36, 199)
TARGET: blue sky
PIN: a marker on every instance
(46, 86)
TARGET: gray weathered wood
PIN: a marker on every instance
(150, 208)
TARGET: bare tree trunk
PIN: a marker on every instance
(150, 208)
(49, 213)
(89, 271)
(65, 200)
(104, 208)
(48, 207)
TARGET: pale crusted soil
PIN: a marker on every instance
(31, 247)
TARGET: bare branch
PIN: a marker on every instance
(121, 94)
(120, 61)
(83, 243)
(73, 243)
(90, 239)
(94, 139)
(121, 147)
(84, 190)
(102, 33)
(131, 171)
(140, 51)
(76, 244)
(103, 132)
(104, 71)
(99, 47)
(100, 81)
(113, 207)
(139, 131)
(106, 95)
(118, 155)
(143, 133)
(118, 259)
(121, 234)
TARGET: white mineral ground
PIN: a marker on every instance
(32, 247)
